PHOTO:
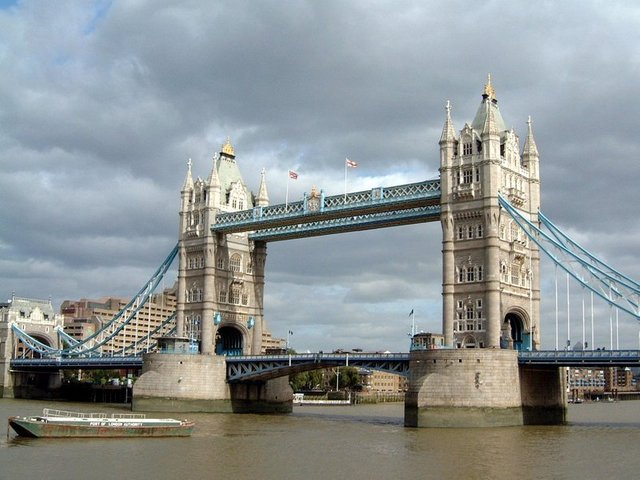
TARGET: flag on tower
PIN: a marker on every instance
(293, 175)
(351, 163)
(411, 312)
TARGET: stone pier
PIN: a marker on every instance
(480, 388)
(197, 383)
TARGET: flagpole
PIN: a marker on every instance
(286, 198)
(345, 180)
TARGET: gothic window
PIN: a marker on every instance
(479, 273)
(459, 304)
(515, 274)
(460, 232)
(460, 276)
(477, 174)
(504, 273)
(479, 231)
(514, 233)
(479, 303)
(469, 312)
(222, 296)
(240, 204)
(466, 148)
(235, 262)
(245, 298)
(469, 232)
(470, 275)
(478, 146)
(220, 262)
(249, 267)
(235, 295)
(201, 262)
(467, 176)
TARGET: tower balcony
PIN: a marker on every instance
(467, 190)
(516, 196)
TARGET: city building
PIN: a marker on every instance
(84, 317)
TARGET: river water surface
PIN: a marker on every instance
(370, 442)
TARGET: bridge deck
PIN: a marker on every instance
(264, 367)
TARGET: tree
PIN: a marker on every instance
(348, 378)
(306, 380)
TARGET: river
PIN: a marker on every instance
(350, 442)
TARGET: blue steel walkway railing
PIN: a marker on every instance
(375, 208)
(265, 367)
(581, 358)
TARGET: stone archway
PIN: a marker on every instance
(229, 341)
(513, 332)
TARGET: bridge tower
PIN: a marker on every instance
(220, 277)
(491, 286)
(220, 305)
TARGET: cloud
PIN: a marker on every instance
(102, 103)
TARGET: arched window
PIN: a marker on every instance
(235, 262)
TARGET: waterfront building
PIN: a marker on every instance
(84, 317)
(35, 316)
(617, 379)
(585, 382)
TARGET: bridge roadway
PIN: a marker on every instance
(264, 367)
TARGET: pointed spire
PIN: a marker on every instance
(489, 92)
(188, 181)
(262, 200)
(489, 122)
(530, 147)
(448, 132)
(213, 180)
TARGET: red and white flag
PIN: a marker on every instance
(351, 163)
(293, 175)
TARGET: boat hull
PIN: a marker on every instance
(26, 427)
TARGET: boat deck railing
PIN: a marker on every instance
(52, 412)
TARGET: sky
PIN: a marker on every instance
(102, 103)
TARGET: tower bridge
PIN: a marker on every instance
(487, 200)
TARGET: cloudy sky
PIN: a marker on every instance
(103, 102)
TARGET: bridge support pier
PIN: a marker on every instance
(197, 383)
(480, 388)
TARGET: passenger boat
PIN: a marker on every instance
(60, 423)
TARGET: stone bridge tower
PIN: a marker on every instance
(491, 286)
(220, 277)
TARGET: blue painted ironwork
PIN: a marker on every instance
(85, 363)
(265, 367)
(580, 358)
(349, 224)
(375, 208)
(596, 276)
(92, 345)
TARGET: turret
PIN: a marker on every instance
(262, 200)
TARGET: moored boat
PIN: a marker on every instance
(61, 423)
